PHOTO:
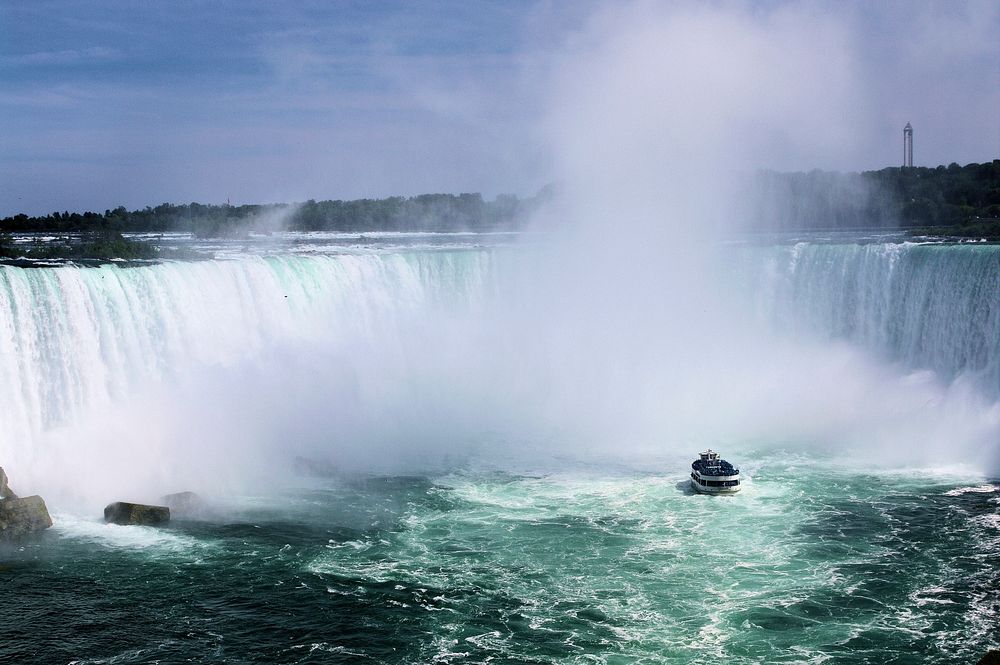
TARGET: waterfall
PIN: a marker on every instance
(77, 341)
(125, 374)
(924, 306)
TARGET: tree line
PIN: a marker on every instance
(907, 197)
(911, 197)
(427, 212)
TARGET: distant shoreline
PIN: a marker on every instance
(428, 212)
(977, 229)
(946, 201)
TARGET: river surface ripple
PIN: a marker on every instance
(814, 561)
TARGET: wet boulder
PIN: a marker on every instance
(19, 517)
(184, 504)
(5, 491)
(124, 513)
(314, 468)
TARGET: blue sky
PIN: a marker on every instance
(137, 103)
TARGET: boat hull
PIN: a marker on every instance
(704, 489)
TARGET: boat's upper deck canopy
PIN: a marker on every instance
(711, 464)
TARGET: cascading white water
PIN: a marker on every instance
(74, 338)
(78, 346)
(925, 306)
(212, 374)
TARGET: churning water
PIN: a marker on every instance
(448, 509)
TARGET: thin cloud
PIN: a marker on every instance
(370, 99)
(64, 57)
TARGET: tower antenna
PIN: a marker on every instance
(908, 145)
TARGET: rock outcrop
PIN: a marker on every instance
(184, 504)
(5, 491)
(992, 657)
(314, 468)
(124, 513)
(19, 517)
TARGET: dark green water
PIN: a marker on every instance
(814, 561)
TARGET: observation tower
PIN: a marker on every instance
(908, 145)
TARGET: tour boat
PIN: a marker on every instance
(713, 475)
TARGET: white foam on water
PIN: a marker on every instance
(975, 489)
(157, 541)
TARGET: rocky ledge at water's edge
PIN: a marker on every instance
(186, 505)
(125, 513)
(5, 491)
(20, 516)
